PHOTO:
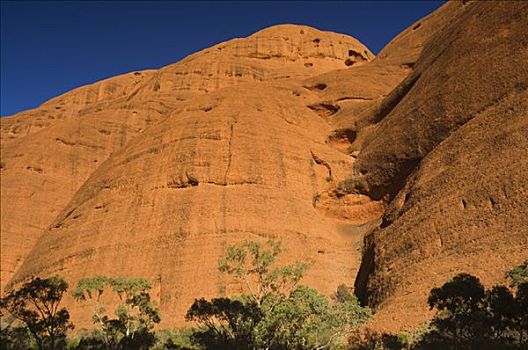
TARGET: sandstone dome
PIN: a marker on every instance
(392, 173)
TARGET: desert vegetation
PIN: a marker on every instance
(468, 316)
(134, 317)
(274, 311)
(33, 312)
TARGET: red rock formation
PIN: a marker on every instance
(155, 173)
(293, 134)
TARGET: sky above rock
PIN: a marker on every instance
(48, 48)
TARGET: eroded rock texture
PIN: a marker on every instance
(293, 134)
(154, 173)
(449, 153)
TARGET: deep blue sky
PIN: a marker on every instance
(48, 48)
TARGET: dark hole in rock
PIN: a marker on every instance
(308, 64)
(191, 180)
(356, 56)
(318, 86)
(417, 26)
(349, 62)
(316, 40)
(324, 109)
(343, 135)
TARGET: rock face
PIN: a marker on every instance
(293, 134)
(455, 169)
(154, 173)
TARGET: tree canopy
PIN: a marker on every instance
(135, 316)
(470, 317)
(275, 312)
(36, 304)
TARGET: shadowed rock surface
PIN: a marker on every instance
(449, 152)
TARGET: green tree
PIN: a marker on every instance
(275, 312)
(518, 277)
(252, 264)
(15, 337)
(470, 317)
(226, 323)
(521, 316)
(518, 274)
(175, 339)
(36, 304)
(460, 308)
(347, 309)
(132, 328)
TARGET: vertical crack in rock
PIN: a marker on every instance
(315, 189)
(366, 269)
(226, 175)
(230, 154)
